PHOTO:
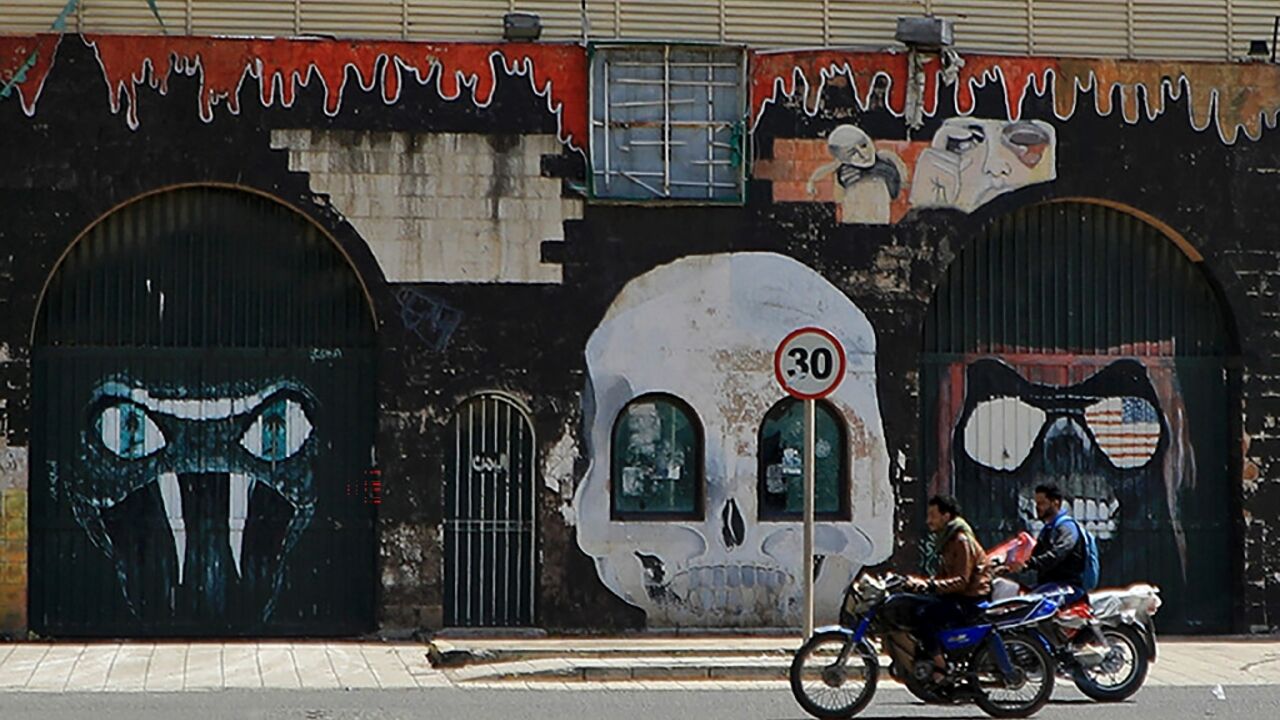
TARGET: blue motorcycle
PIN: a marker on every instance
(1001, 663)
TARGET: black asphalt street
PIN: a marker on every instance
(1162, 703)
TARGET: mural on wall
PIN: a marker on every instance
(866, 180)
(25, 61)
(157, 457)
(680, 386)
(1231, 97)
(968, 163)
(557, 72)
(1115, 437)
(971, 162)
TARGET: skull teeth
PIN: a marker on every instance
(1100, 517)
(730, 588)
(171, 496)
(237, 516)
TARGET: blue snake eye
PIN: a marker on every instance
(128, 432)
(278, 432)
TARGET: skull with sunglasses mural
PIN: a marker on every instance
(1103, 440)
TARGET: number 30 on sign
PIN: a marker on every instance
(809, 363)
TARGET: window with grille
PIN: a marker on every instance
(668, 122)
(657, 460)
(781, 457)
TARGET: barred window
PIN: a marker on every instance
(668, 122)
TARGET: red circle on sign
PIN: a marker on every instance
(837, 377)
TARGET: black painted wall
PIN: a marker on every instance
(74, 161)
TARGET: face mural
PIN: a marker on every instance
(867, 180)
(1114, 437)
(971, 162)
(681, 403)
(234, 464)
(968, 163)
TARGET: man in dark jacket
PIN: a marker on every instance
(960, 583)
(1059, 555)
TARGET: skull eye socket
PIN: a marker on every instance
(780, 450)
(657, 460)
(1127, 429)
(1001, 432)
(128, 432)
(278, 432)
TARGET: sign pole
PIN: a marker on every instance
(809, 364)
(807, 563)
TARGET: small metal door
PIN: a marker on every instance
(489, 541)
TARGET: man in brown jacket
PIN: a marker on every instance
(961, 581)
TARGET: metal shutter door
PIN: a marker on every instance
(236, 17)
(998, 26)
(472, 20)
(781, 23)
(561, 20)
(353, 18)
(1190, 29)
(669, 19)
(30, 16)
(1081, 27)
(868, 23)
(131, 16)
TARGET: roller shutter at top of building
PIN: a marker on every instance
(1076, 344)
(1146, 29)
(202, 426)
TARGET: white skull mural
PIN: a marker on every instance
(701, 332)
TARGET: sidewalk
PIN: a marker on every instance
(554, 663)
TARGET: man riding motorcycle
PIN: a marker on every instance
(1058, 558)
(960, 582)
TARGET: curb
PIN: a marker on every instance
(443, 655)
(568, 671)
(604, 670)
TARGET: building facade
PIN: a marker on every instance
(320, 336)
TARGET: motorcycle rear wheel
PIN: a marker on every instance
(1035, 665)
(1130, 651)
(827, 690)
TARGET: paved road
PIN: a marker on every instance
(1167, 703)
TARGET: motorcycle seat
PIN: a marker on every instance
(1008, 602)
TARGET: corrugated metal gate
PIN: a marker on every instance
(203, 413)
(1186, 29)
(490, 551)
(1075, 343)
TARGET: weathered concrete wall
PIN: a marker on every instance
(490, 274)
(443, 207)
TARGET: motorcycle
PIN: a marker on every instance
(1000, 663)
(1104, 645)
(1124, 619)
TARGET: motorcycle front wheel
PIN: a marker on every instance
(1121, 673)
(832, 678)
(1026, 693)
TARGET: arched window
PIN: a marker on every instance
(781, 457)
(657, 460)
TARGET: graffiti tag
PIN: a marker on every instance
(430, 318)
(488, 463)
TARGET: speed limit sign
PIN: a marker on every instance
(809, 363)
